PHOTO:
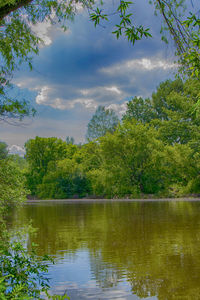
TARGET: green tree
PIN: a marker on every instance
(140, 109)
(172, 110)
(3, 150)
(176, 103)
(39, 152)
(132, 162)
(12, 184)
(88, 156)
(103, 121)
(70, 140)
(64, 179)
(21, 162)
(161, 98)
(22, 274)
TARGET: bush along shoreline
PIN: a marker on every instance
(23, 275)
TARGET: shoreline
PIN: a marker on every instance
(185, 199)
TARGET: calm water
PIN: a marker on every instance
(119, 250)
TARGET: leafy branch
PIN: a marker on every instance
(125, 26)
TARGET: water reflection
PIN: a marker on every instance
(122, 250)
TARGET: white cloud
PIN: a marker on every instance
(41, 29)
(46, 30)
(70, 104)
(101, 90)
(143, 64)
(118, 108)
(114, 89)
(30, 83)
(42, 98)
(46, 97)
(88, 98)
(15, 149)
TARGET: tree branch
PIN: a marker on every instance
(172, 30)
(8, 8)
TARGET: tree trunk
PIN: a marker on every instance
(8, 8)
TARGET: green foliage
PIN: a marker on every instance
(39, 153)
(131, 161)
(70, 140)
(159, 157)
(64, 180)
(155, 150)
(125, 27)
(12, 184)
(88, 156)
(3, 150)
(132, 33)
(191, 55)
(97, 16)
(24, 277)
(184, 29)
(172, 110)
(140, 109)
(103, 121)
(19, 161)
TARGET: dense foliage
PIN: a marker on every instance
(153, 151)
(23, 275)
(12, 179)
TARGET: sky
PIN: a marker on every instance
(84, 67)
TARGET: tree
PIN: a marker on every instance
(64, 179)
(70, 140)
(185, 31)
(103, 121)
(39, 152)
(161, 97)
(140, 109)
(132, 162)
(12, 185)
(175, 103)
(3, 150)
(172, 110)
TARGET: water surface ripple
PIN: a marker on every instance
(119, 250)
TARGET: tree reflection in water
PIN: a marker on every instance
(154, 245)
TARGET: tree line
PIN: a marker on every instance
(153, 150)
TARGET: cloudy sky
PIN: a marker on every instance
(84, 67)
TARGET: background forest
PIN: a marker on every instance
(152, 152)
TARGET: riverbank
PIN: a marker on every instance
(191, 199)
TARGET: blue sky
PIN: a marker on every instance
(84, 67)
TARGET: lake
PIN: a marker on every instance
(118, 250)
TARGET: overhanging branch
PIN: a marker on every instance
(8, 8)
